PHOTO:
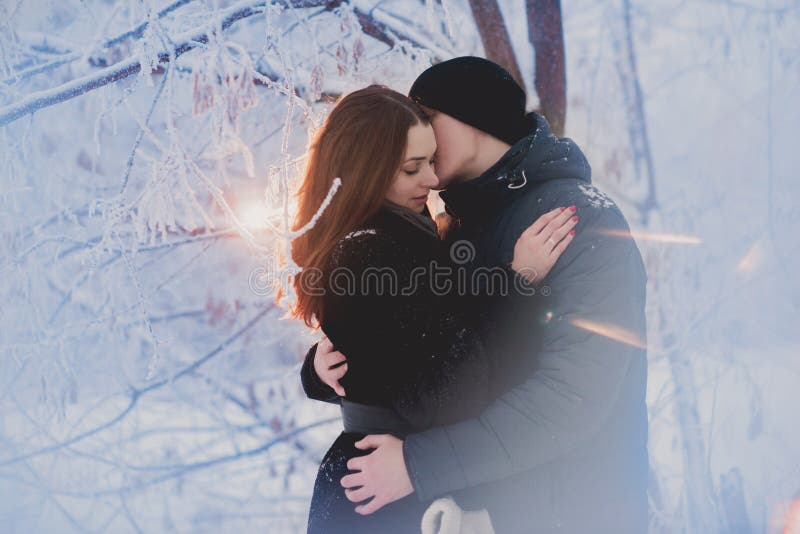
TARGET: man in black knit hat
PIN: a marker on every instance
(563, 448)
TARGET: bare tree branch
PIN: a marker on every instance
(138, 393)
(178, 470)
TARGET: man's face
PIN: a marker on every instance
(457, 148)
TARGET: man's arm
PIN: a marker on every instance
(597, 329)
(314, 387)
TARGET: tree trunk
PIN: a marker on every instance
(494, 35)
(546, 34)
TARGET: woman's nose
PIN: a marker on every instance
(431, 180)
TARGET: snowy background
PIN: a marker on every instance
(148, 377)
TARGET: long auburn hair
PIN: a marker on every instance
(362, 142)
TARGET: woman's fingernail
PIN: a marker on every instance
(563, 208)
(575, 218)
(572, 232)
(573, 208)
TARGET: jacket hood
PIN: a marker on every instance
(538, 157)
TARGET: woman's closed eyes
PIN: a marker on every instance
(416, 170)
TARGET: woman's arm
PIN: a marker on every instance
(313, 386)
(448, 379)
(411, 349)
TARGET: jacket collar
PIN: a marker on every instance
(536, 158)
(421, 221)
(394, 215)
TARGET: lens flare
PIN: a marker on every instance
(253, 216)
(752, 260)
(611, 331)
(791, 523)
(660, 238)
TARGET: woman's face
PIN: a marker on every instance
(416, 177)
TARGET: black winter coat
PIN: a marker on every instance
(408, 348)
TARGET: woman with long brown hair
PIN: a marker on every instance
(369, 280)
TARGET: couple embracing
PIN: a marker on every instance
(491, 369)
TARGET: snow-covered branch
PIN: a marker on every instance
(136, 394)
(184, 42)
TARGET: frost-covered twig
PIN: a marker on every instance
(184, 42)
(29, 72)
(138, 393)
(152, 365)
(139, 137)
(178, 470)
(337, 182)
(383, 26)
(57, 45)
(68, 91)
(45, 43)
(138, 31)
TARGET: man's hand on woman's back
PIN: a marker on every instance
(330, 365)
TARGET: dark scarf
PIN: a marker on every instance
(536, 158)
(422, 221)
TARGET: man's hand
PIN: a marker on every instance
(382, 474)
(328, 365)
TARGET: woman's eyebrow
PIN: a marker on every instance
(418, 158)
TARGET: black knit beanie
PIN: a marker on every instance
(477, 92)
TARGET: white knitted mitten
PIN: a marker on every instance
(445, 516)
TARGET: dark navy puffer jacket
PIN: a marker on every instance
(564, 446)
